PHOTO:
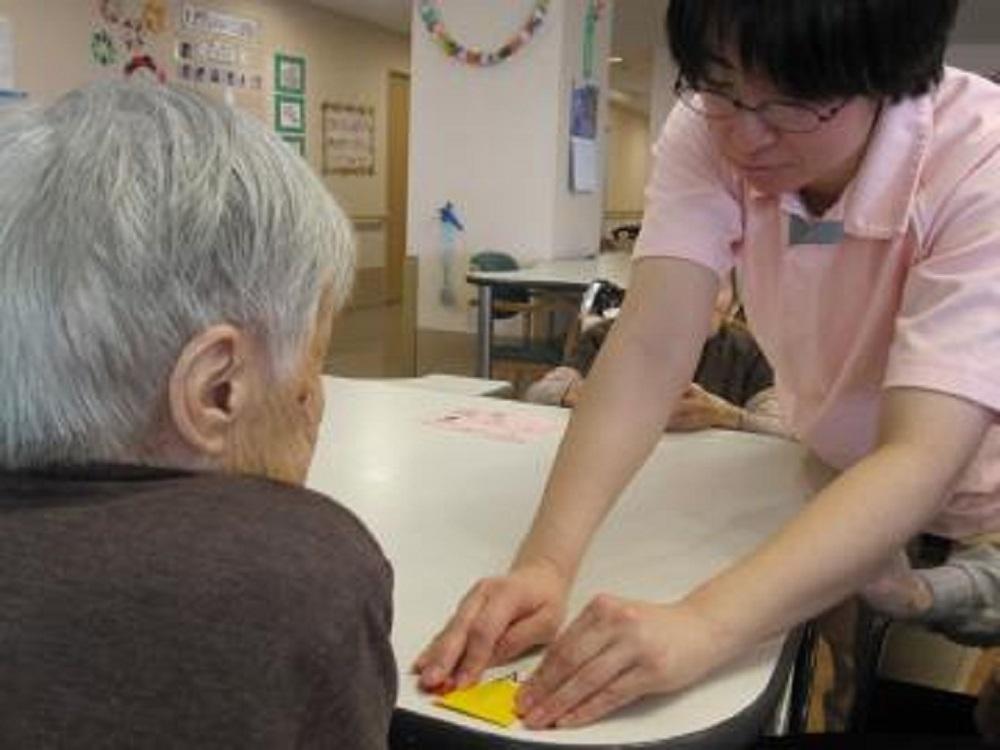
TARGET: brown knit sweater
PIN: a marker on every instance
(144, 608)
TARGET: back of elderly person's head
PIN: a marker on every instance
(132, 216)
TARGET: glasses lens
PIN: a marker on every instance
(708, 103)
(790, 118)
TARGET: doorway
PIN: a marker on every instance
(398, 156)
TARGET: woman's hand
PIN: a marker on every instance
(615, 652)
(498, 620)
(699, 410)
(573, 393)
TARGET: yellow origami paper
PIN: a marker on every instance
(490, 701)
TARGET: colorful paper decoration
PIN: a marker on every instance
(431, 15)
(132, 22)
(151, 18)
(102, 48)
(144, 62)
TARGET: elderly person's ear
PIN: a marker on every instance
(210, 388)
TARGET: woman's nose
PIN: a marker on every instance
(749, 132)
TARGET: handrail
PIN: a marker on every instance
(369, 222)
(619, 215)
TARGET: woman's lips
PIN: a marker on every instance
(759, 168)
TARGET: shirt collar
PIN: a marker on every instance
(877, 202)
(886, 184)
(95, 472)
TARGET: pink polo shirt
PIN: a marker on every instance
(898, 284)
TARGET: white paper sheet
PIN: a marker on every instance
(584, 165)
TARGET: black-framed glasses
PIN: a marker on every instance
(784, 116)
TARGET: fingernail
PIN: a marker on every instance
(432, 676)
(463, 680)
(524, 702)
(534, 720)
(444, 688)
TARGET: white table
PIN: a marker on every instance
(449, 508)
(457, 384)
(566, 275)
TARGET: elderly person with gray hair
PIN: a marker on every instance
(169, 272)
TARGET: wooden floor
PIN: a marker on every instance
(378, 342)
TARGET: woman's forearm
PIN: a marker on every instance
(840, 540)
(643, 367)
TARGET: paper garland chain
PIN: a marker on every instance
(431, 16)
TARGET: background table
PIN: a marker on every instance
(449, 508)
(568, 275)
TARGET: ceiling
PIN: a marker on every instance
(389, 14)
(636, 29)
(638, 26)
(633, 22)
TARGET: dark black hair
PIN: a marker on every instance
(817, 49)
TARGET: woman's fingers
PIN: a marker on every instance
(620, 691)
(593, 631)
(594, 677)
(436, 663)
(483, 633)
(498, 618)
(524, 634)
(616, 651)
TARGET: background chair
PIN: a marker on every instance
(541, 345)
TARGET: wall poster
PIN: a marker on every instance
(348, 139)
(220, 54)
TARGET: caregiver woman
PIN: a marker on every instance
(822, 149)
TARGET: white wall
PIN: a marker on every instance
(576, 229)
(495, 141)
(662, 98)
(628, 160)
(348, 61)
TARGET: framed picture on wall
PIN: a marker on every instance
(348, 139)
(295, 142)
(289, 74)
(289, 114)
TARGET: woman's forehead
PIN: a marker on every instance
(748, 88)
(727, 70)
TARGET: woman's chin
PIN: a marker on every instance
(770, 181)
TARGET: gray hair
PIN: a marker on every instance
(132, 216)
